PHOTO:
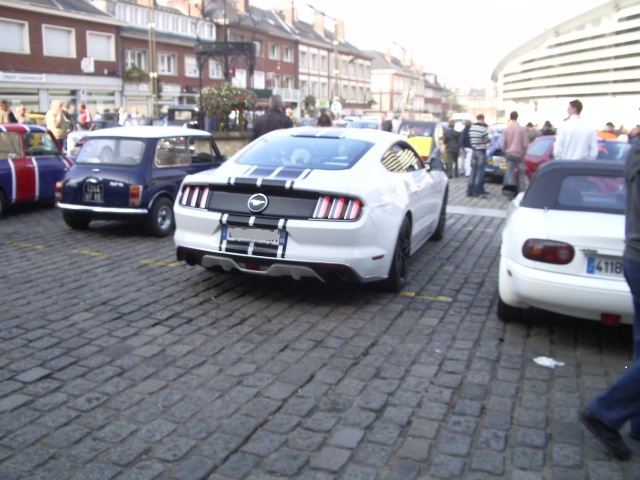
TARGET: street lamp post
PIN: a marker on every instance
(153, 60)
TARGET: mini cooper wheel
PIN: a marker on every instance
(400, 263)
(76, 220)
(3, 203)
(160, 220)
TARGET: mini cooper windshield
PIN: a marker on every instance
(111, 151)
(306, 152)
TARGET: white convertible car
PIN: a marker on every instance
(562, 244)
(329, 203)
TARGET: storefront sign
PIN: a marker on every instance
(22, 77)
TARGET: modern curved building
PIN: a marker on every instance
(594, 57)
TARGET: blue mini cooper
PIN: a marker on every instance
(133, 173)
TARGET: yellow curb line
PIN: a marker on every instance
(24, 245)
(437, 298)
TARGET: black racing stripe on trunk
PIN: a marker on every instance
(273, 183)
(245, 181)
(289, 174)
(262, 172)
(238, 220)
(269, 223)
(286, 238)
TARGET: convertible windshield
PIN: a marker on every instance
(306, 152)
(111, 151)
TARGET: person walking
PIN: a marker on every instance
(6, 115)
(324, 120)
(547, 128)
(273, 119)
(466, 146)
(84, 117)
(515, 140)
(479, 138)
(21, 115)
(575, 138)
(607, 413)
(386, 124)
(452, 147)
(56, 122)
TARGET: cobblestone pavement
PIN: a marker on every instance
(117, 362)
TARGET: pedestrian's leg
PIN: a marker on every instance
(632, 276)
(482, 160)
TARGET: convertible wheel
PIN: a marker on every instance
(507, 313)
(442, 220)
(400, 263)
(77, 221)
(160, 221)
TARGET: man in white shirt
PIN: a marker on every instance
(575, 138)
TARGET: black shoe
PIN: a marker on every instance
(635, 436)
(471, 195)
(609, 437)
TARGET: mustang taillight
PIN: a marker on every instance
(331, 207)
(548, 251)
(194, 196)
(135, 195)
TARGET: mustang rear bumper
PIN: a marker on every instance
(271, 267)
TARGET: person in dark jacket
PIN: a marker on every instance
(452, 141)
(273, 119)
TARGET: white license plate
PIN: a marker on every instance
(250, 234)
(605, 266)
(93, 192)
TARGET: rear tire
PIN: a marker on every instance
(77, 221)
(160, 220)
(507, 313)
(400, 264)
(3, 203)
(442, 220)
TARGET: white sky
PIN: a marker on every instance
(462, 41)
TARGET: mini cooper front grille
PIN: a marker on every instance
(323, 207)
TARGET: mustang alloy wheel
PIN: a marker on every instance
(400, 264)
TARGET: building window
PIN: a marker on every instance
(287, 54)
(288, 82)
(324, 63)
(258, 47)
(167, 64)
(58, 42)
(101, 46)
(215, 70)
(304, 60)
(274, 51)
(137, 58)
(304, 88)
(191, 67)
(16, 36)
(314, 61)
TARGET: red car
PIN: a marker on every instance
(31, 162)
(541, 151)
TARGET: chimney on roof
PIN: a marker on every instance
(183, 5)
(318, 22)
(242, 6)
(340, 30)
(387, 54)
(290, 16)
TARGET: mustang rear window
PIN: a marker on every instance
(306, 152)
(111, 151)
